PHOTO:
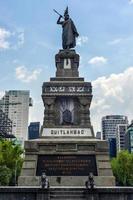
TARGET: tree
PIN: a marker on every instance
(122, 167)
(10, 162)
(5, 175)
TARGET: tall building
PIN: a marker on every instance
(112, 147)
(109, 125)
(15, 104)
(120, 136)
(33, 130)
(129, 138)
(5, 126)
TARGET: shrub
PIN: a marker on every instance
(122, 167)
(5, 175)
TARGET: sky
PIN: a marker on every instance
(30, 38)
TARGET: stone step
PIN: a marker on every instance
(68, 191)
(67, 197)
(67, 194)
(65, 189)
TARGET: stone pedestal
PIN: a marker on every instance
(59, 149)
(67, 63)
(67, 149)
(67, 85)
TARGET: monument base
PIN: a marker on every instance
(66, 181)
(66, 161)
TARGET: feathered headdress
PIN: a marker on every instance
(66, 11)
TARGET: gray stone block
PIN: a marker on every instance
(67, 181)
(29, 181)
(104, 180)
(104, 165)
(29, 164)
(103, 158)
(105, 172)
(28, 171)
(29, 157)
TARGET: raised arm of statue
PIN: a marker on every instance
(59, 20)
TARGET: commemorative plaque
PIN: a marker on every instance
(66, 165)
(66, 132)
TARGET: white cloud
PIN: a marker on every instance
(112, 95)
(11, 40)
(82, 40)
(21, 38)
(1, 94)
(130, 1)
(17, 39)
(4, 36)
(115, 41)
(23, 74)
(98, 60)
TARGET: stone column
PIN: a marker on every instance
(49, 112)
(84, 111)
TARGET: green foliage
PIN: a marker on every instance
(122, 167)
(10, 161)
(5, 175)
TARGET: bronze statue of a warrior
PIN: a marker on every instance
(69, 33)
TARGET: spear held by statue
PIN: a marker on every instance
(57, 13)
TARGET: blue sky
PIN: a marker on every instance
(30, 38)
